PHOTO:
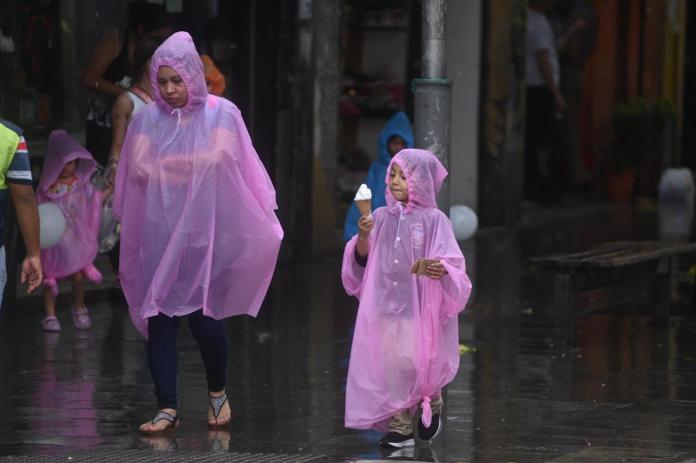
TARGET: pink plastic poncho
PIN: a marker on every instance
(197, 208)
(81, 207)
(406, 342)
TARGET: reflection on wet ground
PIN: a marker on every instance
(625, 392)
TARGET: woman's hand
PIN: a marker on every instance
(107, 192)
(111, 171)
(435, 271)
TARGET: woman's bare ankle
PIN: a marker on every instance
(216, 394)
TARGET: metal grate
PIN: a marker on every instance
(150, 456)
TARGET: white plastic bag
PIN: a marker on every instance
(109, 228)
(676, 206)
(676, 185)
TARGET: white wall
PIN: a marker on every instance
(464, 28)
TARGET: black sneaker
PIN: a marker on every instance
(397, 441)
(431, 431)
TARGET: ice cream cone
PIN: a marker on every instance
(364, 206)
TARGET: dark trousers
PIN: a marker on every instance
(162, 353)
(115, 257)
(539, 135)
(98, 142)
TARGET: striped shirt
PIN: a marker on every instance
(14, 156)
(14, 165)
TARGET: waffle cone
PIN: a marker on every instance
(364, 206)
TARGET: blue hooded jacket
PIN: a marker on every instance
(397, 125)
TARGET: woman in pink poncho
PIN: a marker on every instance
(406, 343)
(65, 181)
(199, 235)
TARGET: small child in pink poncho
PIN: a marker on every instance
(406, 342)
(65, 181)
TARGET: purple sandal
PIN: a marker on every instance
(80, 317)
(50, 324)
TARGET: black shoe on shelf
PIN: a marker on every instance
(431, 431)
(397, 441)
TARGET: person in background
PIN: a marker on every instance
(135, 98)
(109, 71)
(545, 103)
(128, 104)
(213, 77)
(396, 135)
(575, 25)
(15, 177)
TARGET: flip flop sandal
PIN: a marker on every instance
(216, 404)
(163, 416)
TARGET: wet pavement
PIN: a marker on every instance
(626, 391)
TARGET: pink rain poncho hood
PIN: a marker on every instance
(197, 208)
(81, 207)
(406, 342)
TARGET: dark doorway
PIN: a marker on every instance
(241, 36)
(689, 121)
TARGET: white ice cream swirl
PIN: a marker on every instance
(363, 193)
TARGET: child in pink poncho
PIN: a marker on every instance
(65, 181)
(406, 343)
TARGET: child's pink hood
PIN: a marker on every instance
(62, 148)
(406, 344)
(425, 176)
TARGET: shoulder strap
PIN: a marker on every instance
(140, 93)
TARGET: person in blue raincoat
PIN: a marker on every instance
(396, 135)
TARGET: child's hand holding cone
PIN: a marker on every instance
(365, 226)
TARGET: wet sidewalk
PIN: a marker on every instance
(626, 392)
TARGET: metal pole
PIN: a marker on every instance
(434, 39)
(431, 118)
(432, 91)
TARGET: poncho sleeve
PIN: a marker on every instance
(96, 201)
(456, 286)
(252, 169)
(352, 273)
(122, 172)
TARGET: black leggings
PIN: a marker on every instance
(162, 353)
